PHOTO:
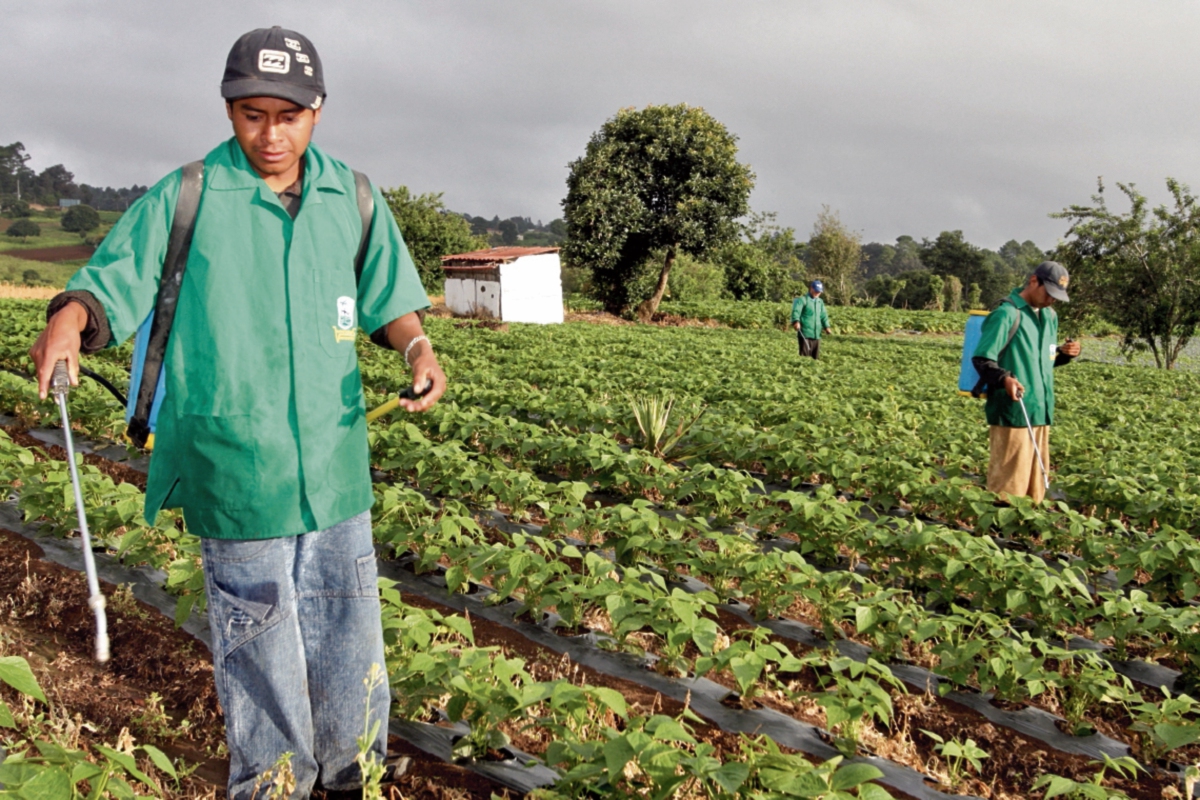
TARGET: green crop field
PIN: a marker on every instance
(800, 547)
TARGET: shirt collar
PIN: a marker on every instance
(230, 169)
(1017, 300)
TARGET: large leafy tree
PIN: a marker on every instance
(24, 228)
(765, 264)
(663, 178)
(1139, 270)
(431, 231)
(80, 219)
(950, 254)
(15, 178)
(835, 255)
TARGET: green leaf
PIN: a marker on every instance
(183, 609)
(48, 784)
(746, 671)
(1056, 785)
(15, 671)
(865, 618)
(461, 626)
(669, 730)
(613, 699)
(161, 761)
(84, 771)
(126, 762)
(6, 717)
(120, 789)
(873, 791)
(732, 775)
(1173, 736)
(617, 753)
(704, 634)
(852, 775)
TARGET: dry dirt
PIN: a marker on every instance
(12, 291)
(67, 252)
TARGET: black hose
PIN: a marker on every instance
(98, 378)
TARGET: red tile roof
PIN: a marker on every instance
(492, 256)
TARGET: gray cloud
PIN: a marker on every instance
(908, 117)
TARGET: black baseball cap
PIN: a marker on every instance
(1054, 277)
(274, 62)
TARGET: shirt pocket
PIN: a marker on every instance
(335, 313)
(220, 464)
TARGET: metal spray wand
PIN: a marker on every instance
(60, 384)
(1037, 450)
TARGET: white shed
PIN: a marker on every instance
(512, 284)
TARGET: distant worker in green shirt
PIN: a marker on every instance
(262, 435)
(810, 318)
(1016, 356)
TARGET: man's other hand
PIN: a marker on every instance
(59, 341)
(425, 368)
(1070, 348)
(1014, 388)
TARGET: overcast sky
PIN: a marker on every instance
(906, 117)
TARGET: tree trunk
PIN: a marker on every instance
(646, 310)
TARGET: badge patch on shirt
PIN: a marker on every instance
(345, 313)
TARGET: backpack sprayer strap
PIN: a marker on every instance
(366, 210)
(183, 226)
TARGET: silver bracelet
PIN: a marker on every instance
(411, 344)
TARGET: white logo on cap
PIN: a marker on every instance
(308, 71)
(274, 61)
(316, 103)
(291, 43)
(301, 58)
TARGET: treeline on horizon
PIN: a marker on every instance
(20, 184)
(769, 262)
(907, 273)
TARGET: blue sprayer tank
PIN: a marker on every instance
(968, 377)
(135, 375)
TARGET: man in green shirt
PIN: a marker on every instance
(261, 438)
(1017, 352)
(810, 318)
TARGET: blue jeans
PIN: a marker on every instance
(296, 626)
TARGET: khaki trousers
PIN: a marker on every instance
(1013, 467)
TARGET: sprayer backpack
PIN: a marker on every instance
(146, 384)
(969, 380)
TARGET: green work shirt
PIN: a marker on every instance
(262, 432)
(810, 312)
(1030, 357)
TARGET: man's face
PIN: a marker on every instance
(273, 133)
(814, 292)
(1038, 296)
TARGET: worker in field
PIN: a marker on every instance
(810, 319)
(1017, 352)
(261, 439)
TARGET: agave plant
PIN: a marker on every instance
(653, 416)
